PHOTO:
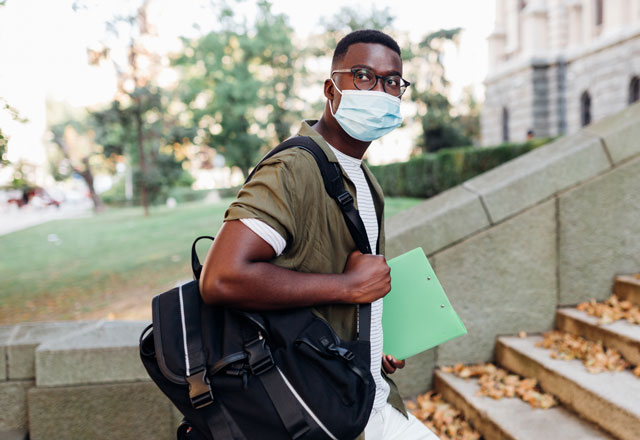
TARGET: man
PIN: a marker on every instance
(286, 239)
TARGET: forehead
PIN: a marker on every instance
(377, 56)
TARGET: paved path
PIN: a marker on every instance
(13, 219)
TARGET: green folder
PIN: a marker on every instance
(416, 313)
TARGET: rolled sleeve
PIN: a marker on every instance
(268, 197)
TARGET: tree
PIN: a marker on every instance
(78, 154)
(4, 139)
(440, 128)
(349, 19)
(116, 129)
(134, 126)
(238, 86)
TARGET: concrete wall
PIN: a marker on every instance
(550, 228)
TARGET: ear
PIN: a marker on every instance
(329, 89)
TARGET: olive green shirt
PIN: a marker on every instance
(288, 194)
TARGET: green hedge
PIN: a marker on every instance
(429, 174)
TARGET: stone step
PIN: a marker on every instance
(621, 335)
(609, 399)
(628, 287)
(511, 418)
(106, 353)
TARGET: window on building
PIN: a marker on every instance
(634, 90)
(585, 109)
(505, 124)
(599, 12)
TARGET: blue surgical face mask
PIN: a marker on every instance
(367, 115)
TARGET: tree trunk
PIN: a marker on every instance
(86, 174)
(143, 165)
(245, 171)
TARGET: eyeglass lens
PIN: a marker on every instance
(364, 79)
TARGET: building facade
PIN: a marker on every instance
(558, 65)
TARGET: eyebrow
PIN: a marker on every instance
(392, 72)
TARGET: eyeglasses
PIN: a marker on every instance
(365, 79)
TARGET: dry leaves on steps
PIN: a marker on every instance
(611, 310)
(446, 421)
(593, 355)
(498, 383)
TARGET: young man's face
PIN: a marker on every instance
(378, 58)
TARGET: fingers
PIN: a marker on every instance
(391, 364)
(388, 368)
(368, 277)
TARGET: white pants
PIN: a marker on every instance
(391, 424)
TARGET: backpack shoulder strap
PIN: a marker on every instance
(334, 186)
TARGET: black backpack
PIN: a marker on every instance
(240, 375)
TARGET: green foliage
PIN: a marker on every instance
(348, 19)
(429, 174)
(4, 140)
(183, 194)
(115, 129)
(440, 127)
(239, 87)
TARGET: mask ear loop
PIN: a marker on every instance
(330, 104)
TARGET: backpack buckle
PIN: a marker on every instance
(200, 392)
(259, 355)
(345, 198)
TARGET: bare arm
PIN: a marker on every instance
(237, 273)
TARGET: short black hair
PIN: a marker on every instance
(364, 36)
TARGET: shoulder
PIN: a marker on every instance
(293, 165)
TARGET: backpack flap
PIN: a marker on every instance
(178, 340)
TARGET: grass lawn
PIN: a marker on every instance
(108, 265)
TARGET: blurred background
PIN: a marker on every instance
(127, 126)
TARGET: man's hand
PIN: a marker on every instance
(368, 277)
(390, 364)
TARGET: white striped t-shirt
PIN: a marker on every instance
(352, 167)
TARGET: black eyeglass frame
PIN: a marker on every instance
(354, 70)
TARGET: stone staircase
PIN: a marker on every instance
(592, 406)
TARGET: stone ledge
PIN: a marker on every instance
(538, 175)
(436, 223)
(22, 341)
(620, 133)
(107, 353)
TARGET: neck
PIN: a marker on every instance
(333, 133)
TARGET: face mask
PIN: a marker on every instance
(367, 115)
